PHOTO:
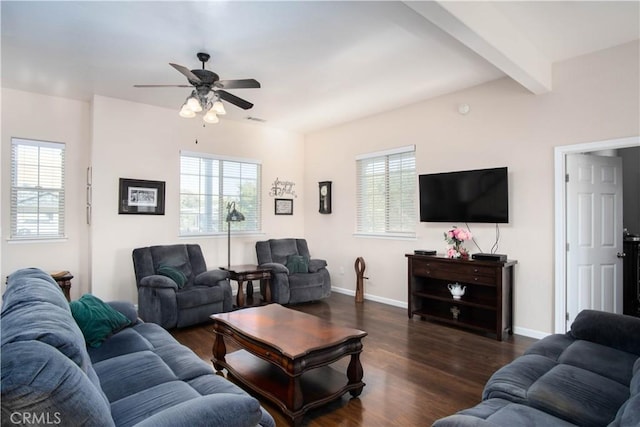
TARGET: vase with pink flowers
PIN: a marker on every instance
(454, 239)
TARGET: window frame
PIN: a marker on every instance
(219, 196)
(409, 225)
(19, 167)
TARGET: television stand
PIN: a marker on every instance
(487, 304)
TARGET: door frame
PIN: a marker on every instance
(560, 210)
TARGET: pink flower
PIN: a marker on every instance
(452, 253)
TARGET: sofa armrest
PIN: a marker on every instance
(219, 409)
(126, 308)
(157, 281)
(211, 277)
(618, 331)
(275, 267)
(316, 265)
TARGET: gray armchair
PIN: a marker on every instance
(301, 285)
(174, 287)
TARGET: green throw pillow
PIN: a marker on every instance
(96, 319)
(297, 264)
(173, 274)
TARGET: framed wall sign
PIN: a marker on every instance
(139, 196)
(325, 197)
(284, 207)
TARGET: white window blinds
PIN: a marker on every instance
(37, 189)
(386, 192)
(208, 184)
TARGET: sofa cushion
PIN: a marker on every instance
(129, 374)
(96, 319)
(612, 330)
(282, 248)
(197, 296)
(577, 395)
(176, 256)
(133, 408)
(606, 361)
(226, 410)
(126, 341)
(512, 381)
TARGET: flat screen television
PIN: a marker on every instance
(480, 195)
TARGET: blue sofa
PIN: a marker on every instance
(589, 376)
(140, 376)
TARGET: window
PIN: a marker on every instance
(208, 183)
(386, 193)
(37, 189)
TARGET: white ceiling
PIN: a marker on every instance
(319, 63)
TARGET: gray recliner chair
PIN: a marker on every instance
(309, 280)
(174, 287)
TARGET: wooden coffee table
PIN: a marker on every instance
(286, 354)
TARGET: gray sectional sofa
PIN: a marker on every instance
(587, 377)
(139, 376)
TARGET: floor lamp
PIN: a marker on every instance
(232, 216)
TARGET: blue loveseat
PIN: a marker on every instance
(140, 376)
(587, 377)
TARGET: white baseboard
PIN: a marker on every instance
(531, 333)
(370, 297)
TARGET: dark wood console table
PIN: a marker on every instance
(248, 272)
(487, 304)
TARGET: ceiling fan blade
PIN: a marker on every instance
(238, 102)
(162, 86)
(184, 70)
(239, 84)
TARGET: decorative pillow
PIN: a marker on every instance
(96, 319)
(173, 274)
(297, 264)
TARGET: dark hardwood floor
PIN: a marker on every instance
(415, 371)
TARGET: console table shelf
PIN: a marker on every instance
(486, 305)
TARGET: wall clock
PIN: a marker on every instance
(325, 197)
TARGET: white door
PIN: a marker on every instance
(594, 234)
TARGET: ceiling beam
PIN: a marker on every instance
(483, 29)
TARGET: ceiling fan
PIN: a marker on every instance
(209, 91)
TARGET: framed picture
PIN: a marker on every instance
(284, 207)
(138, 196)
(325, 197)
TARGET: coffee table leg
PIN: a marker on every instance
(219, 351)
(355, 374)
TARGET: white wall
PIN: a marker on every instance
(595, 98)
(139, 141)
(33, 116)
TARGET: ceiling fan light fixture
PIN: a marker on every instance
(211, 117)
(186, 112)
(194, 103)
(218, 107)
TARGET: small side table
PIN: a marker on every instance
(246, 272)
(63, 278)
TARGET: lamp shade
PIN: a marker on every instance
(186, 112)
(211, 117)
(218, 107)
(194, 104)
(234, 215)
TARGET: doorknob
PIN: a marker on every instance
(621, 255)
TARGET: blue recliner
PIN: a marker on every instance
(295, 276)
(174, 287)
